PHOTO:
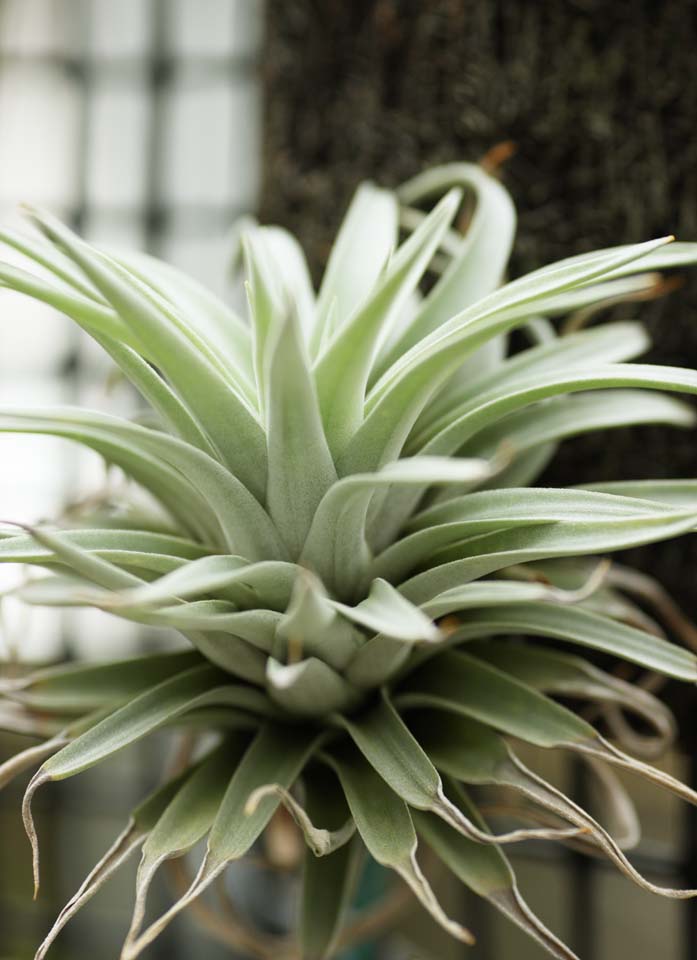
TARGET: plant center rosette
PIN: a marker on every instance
(371, 603)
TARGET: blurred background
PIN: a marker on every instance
(156, 124)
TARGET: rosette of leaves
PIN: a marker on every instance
(378, 605)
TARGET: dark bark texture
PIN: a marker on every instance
(600, 101)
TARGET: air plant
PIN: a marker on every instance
(377, 603)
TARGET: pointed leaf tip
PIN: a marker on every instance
(39, 778)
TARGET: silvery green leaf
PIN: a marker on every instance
(614, 343)
(387, 744)
(289, 265)
(676, 493)
(445, 526)
(213, 320)
(300, 466)
(384, 823)
(666, 258)
(479, 262)
(231, 653)
(47, 257)
(266, 304)
(309, 687)
(386, 611)
(120, 547)
(187, 818)
(343, 368)
(476, 754)
(377, 661)
(564, 417)
(465, 685)
(312, 624)
(400, 396)
(336, 544)
(180, 354)
(567, 675)
(322, 842)
(486, 411)
(104, 326)
(572, 624)
(490, 552)
(182, 474)
(94, 317)
(231, 578)
(366, 238)
(328, 881)
(141, 822)
(276, 753)
(79, 687)
(194, 688)
(486, 871)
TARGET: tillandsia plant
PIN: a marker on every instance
(379, 606)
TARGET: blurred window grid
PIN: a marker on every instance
(137, 122)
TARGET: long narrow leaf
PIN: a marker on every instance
(232, 426)
(343, 369)
(276, 754)
(399, 398)
(186, 819)
(300, 466)
(365, 240)
(385, 741)
(486, 871)
(385, 825)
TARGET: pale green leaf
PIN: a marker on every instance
(301, 469)
(118, 546)
(386, 742)
(289, 264)
(311, 625)
(75, 688)
(327, 881)
(140, 823)
(432, 531)
(475, 754)
(321, 841)
(487, 410)
(611, 343)
(387, 611)
(230, 423)
(465, 685)
(199, 479)
(186, 819)
(479, 261)
(343, 369)
(336, 546)
(400, 396)
(366, 238)
(574, 625)
(39, 251)
(564, 417)
(309, 688)
(268, 583)
(486, 871)
(277, 754)
(566, 675)
(384, 823)
(483, 555)
(212, 319)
